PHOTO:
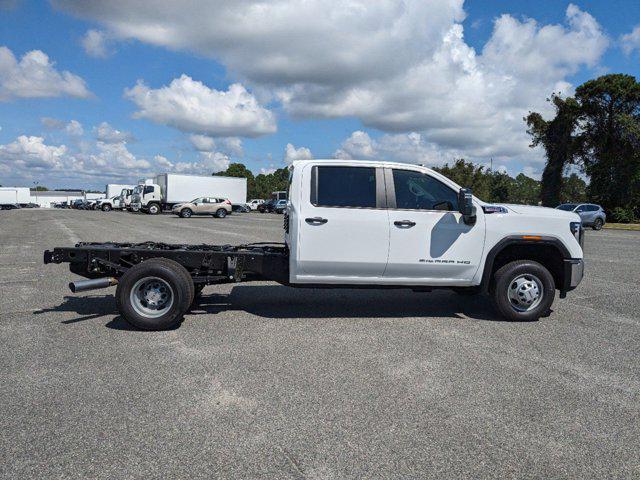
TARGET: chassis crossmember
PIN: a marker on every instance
(207, 264)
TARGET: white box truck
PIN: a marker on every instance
(15, 196)
(169, 189)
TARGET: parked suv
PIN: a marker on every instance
(218, 207)
(280, 206)
(591, 215)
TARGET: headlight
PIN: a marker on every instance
(577, 231)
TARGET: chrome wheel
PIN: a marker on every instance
(525, 292)
(151, 297)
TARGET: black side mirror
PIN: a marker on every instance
(465, 206)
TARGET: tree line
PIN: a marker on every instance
(598, 129)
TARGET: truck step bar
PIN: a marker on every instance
(207, 264)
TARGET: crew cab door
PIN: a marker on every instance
(342, 223)
(429, 243)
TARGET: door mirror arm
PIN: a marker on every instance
(465, 206)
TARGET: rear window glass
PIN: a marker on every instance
(345, 187)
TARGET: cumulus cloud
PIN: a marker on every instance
(107, 134)
(74, 128)
(202, 143)
(96, 44)
(406, 148)
(35, 76)
(399, 66)
(208, 162)
(291, 153)
(191, 106)
(630, 42)
(28, 152)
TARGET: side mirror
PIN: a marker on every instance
(465, 206)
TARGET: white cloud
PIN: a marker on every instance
(191, 106)
(28, 152)
(107, 134)
(399, 66)
(52, 123)
(630, 42)
(406, 148)
(291, 153)
(74, 128)
(202, 143)
(209, 162)
(34, 76)
(96, 44)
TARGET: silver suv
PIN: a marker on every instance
(592, 215)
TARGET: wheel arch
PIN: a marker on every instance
(548, 251)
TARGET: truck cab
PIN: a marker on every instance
(147, 197)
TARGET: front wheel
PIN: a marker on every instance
(155, 294)
(154, 209)
(523, 290)
(221, 213)
(106, 208)
(597, 225)
(186, 213)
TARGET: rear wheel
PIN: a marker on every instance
(597, 225)
(155, 294)
(523, 290)
(221, 213)
(186, 213)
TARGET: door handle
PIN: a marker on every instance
(404, 223)
(316, 221)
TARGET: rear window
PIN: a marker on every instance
(344, 187)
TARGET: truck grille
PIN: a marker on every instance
(285, 223)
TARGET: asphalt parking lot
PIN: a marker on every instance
(264, 381)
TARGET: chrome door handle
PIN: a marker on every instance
(404, 223)
(316, 221)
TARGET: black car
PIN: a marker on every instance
(9, 206)
(267, 207)
(240, 208)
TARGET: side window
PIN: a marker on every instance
(418, 191)
(343, 187)
(592, 208)
(581, 208)
(148, 190)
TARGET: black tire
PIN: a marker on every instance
(505, 284)
(172, 274)
(153, 209)
(186, 213)
(597, 224)
(106, 208)
(221, 213)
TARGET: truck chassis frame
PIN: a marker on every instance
(207, 264)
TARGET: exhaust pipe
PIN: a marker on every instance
(93, 284)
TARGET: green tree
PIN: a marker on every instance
(557, 136)
(574, 189)
(525, 190)
(241, 171)
(610, 140)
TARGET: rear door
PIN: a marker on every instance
(343, 232)
(429, 242)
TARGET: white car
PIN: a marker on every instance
(253, 204)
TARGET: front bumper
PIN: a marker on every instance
(573, 273)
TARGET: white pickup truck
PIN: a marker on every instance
(357, 224)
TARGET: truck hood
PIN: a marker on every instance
(541, 212)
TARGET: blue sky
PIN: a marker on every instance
(451, 82)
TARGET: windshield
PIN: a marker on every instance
(567, 206)
(138, 189)
(196, 200)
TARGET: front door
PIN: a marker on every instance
(344, 228)
(429, 243)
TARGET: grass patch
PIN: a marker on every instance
(623, 226)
